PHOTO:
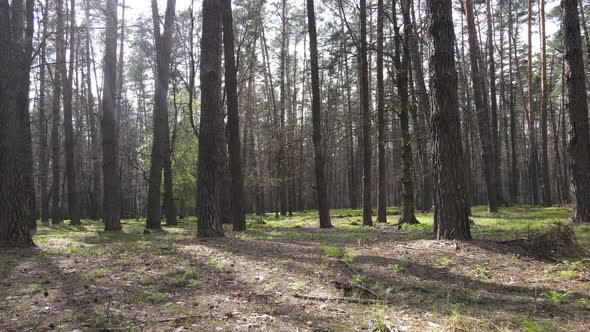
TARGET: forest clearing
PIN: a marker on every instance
(80, 277)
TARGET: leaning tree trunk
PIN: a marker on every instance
(211, 168)
(111, 213)
(577, 107)
(451, 220)
(318, 146)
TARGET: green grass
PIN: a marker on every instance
(157, 297)
(89, 239)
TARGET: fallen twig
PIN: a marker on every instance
(343, 299)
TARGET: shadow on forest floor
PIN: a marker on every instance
(81, 277)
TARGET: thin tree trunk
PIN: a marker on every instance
(544, 98)
(67, 78)
(43, 130)
(534, 160)
(318, 145)
(233, 121)
(110, 141)
(366, 116)
(423, 113)
(381, 194)
(514, 175)
(482, 114)
(403, 67)
(161, 152)
(497, 175)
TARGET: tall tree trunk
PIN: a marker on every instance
(94, 133)
(480, 104)
(403, 67)
(111, 212)
(366, 117)
(15, 61)
(43, 130)
(579, 144)
(381, 194)
(56, 217)
(514, 178)
(211, 162)
(233, 120)
(544, 98)
(534, 160)
(350, 119)
(281, 160)
(585, 27)
(318, 145)
(497, 175)
(161, 155)
(67, 78)
(451, 220)
(563, 137)
(423, 114)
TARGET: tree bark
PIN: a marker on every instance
(533, 154)
(233, 121)
(67, 77)
(408, 216)
(43, 130)
(497, 175)
(423, 113)
(381, 194)
(544, 98)
(318, 145)
(577, 107)
(111, 213)
(451, 220)
(211, 162)
(482, 114)
(366, 117)
(160, 158)
(514, 175)
(15, 60)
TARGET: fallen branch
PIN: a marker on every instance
(342, 299)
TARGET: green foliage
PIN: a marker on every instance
(397, 268)
(101, 272)
(554, 296)
(146, 280)
(445, 261)
(336, 252)
(482, 272)
(184, 278)
(583, 304)
(157, 297)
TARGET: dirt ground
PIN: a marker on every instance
(288, 275)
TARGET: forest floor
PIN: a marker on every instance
(286, 274)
